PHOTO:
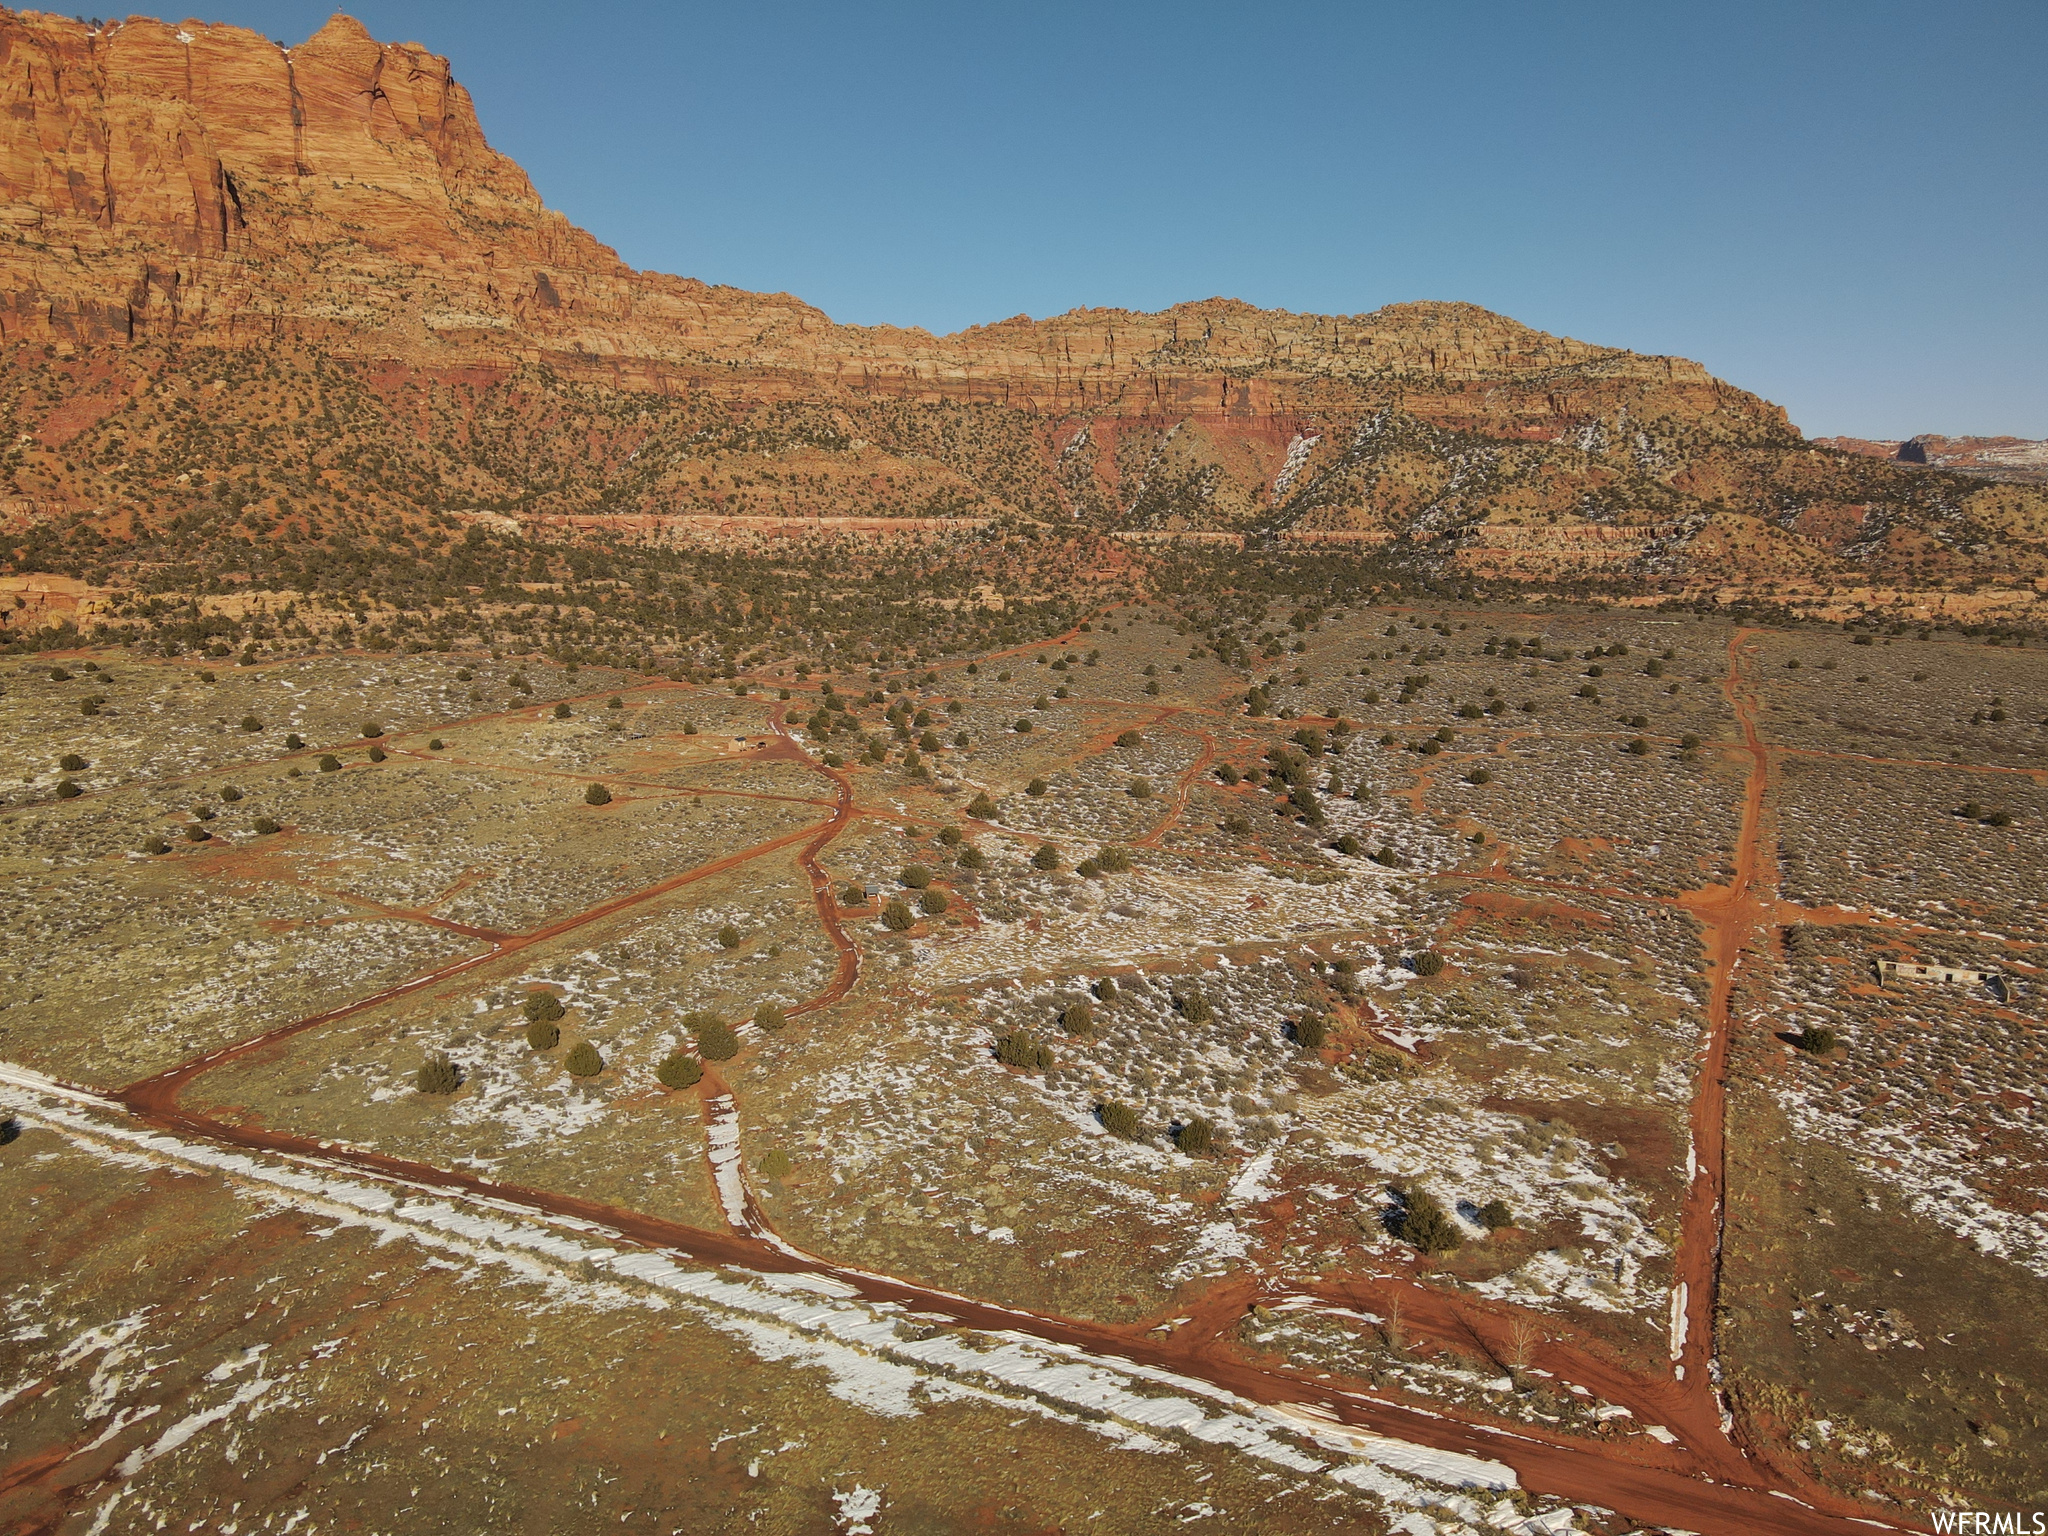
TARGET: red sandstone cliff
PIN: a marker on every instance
(189, 186)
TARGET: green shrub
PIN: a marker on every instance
(541, 1007)
(896, 917)
(265, 826)
(71, 762)
(770, 1016)
(775, 1165)
(1140, 789)
(583, 1060)
(1197, 1138)
(679, 1069)
(329, 763)
(294, 742)
(230, 793)
(1310, 1032)
(1036, 788)
(1077, 1018)
(1119, 1120)
(981, 808)
(597, 794)
(1689, 742)
(1018, 1049)
(1479, 776)
(437, 1075)
(1816, 1040)
(916, 876)
(952, 837)
(372, 729)
(1022, 727)
(543, 1034)
(1638, 747)
(1046, 858)
(1495, 1214)
(1088, 869)
(972, 858)
(715, 1039)
(1349, 845)
(728, 937)
(155, 845)
(1106, 989)
(195, 833)
(615, 702)
(853, 896)
(1114, 861)
(1130, 739)
(562, 710)
(59, 675)
(933, 902)
(377, 754)
(1428, 963)
(1421, 1221)
(66, 790)
(1194, 1007)
(251, 723)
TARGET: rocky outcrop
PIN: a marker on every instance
(167, 189)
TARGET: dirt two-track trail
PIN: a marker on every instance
(1708, 1484)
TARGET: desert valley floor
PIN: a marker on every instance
(1454, 1083)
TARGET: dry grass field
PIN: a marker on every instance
(1375, 1014)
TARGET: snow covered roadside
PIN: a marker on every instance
(878, 1358)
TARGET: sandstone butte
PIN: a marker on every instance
(201, 186)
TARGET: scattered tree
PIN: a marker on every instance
(896, 917)
(1423, 1222)
(1119, 1120)
(1310, 1032)
(716, 1040)
(679, 1069)
(597, 794)
(1018, 1049)
(728, 937)
(1816, 1040)
(1428, 963)
(1077, 1018)
(583, 1060)
(1196, 1138)
(1046, 858)
(562, 710)
(933, 902)
(437, 1075)
(1495, 1215)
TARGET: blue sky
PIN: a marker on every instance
(1843, 207)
